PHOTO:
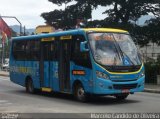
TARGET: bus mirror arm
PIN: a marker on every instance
(84, 46)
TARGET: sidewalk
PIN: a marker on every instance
(151, 88)
(4, 73)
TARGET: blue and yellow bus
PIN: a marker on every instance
(82, 62)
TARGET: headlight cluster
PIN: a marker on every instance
(141, 74)
(101, 75)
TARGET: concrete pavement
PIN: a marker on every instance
(151, 88)
(14, 99)
(4, 73)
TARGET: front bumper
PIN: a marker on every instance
(105, 87)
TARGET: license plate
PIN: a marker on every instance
(125, 91)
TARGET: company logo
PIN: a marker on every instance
(126, 62)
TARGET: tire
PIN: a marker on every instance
(30, 87)
(121, 96)
(79, 93)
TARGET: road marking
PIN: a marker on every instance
(5, 102)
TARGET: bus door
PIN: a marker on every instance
(45, 64)
(64, 65)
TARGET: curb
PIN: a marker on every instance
(151, 90)
(6, 75)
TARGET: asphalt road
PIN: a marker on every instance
(13, 98)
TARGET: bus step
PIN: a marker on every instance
(44, 89)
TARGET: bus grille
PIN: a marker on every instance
(124, 86)
(122, 69)
(124, 80)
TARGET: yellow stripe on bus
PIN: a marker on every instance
(122, 73)
(105, 30)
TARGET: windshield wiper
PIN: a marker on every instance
(123, 53)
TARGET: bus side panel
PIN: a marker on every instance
(16, 72)
(85, 79)
(54, 76)
(46, 81)
(21, 69)
(32, 70)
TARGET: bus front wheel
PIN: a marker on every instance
(30, 86)
(79, 93)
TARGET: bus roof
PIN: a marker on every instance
(69, 32)
(46, 35)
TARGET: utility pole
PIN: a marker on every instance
(24, 33)
(2, 61)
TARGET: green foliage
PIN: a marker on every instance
(158, 60)
(119, 14)
(151, 72)
(59, 2)
(68, 18)
(154, 31)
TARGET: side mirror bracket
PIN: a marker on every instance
(84, 46)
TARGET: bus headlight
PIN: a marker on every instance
(101, 75)
(141, 74)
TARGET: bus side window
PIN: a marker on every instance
(79, 58)
(19, 50)
(54, 50)
(33, 50)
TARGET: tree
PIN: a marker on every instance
(68, 18)
(119, 14)
(125, 10)
(116, 11)
(153, 28)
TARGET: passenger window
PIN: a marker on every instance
(26, 50)
(19, 50)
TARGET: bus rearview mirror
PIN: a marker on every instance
(84, 46)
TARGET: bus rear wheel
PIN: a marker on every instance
(30, 86)
(79, 93)
(121, 96)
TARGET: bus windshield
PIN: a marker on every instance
(114, 49)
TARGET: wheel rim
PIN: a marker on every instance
(80, 93)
